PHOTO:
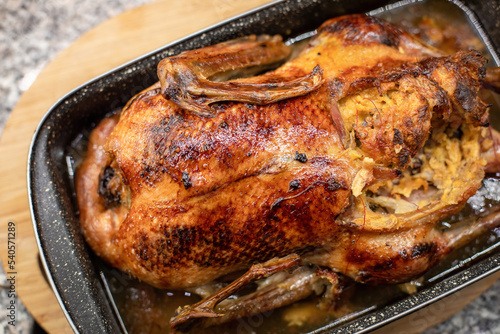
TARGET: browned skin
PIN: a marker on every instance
(337, 174)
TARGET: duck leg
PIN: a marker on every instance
(186, 316)
(276, 291)
(279, 289)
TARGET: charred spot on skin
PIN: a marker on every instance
(186, 180)
(184, 235)
(403, 157)
(389, 41)
(422, 250)
(294, 185)
(333, 185)
(108, 188)
(146, 170)
(383, 266)
(300, 157)
(404, 254)
(465, 96)
(143, 252)
(277, 203)
(172, 93)
(398, 138)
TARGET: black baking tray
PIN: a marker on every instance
(76, 275)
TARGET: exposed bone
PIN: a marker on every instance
(184, 77)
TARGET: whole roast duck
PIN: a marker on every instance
(338, 163)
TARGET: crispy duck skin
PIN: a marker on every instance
(347, 155)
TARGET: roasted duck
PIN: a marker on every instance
(338, 163)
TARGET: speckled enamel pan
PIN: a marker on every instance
(74, 273)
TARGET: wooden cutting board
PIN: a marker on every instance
(107, 46)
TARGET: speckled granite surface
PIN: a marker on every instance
(33, 32)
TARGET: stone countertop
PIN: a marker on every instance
(32, 32)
